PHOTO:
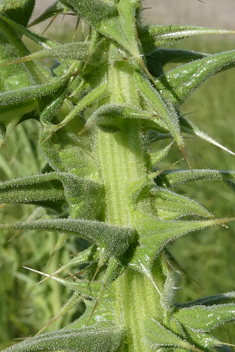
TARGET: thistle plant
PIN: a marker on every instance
(101, 107)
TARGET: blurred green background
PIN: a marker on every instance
(207, 256)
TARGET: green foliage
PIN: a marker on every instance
(101, 108)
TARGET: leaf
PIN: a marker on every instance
(20, 11)
(205, 341)
(160, 154)
(81, 258)
(75, 299)
(113, 21)
(230, 184)
(17, 76)
(167, 204)
(88, 339)
(52, 190)
(166, 56)
(114, 239)
(95, 11)
(156, 36)
(88, 100)
(71, 51)
(16, 103)
(64, 150)
(26, 94)
(86, 289)
(68, 152)
(222, 348)
(159, 336)
(53, 10)
(171, 285)
(6, 5)
(162, 231)
(164, 110)
(12, 78)
(41, 190)
(189, 127)
(160, 57)
(109, 117)
(175, 205)
(178, 84)
(210, 300)
(156, 233)
(39, 73)
(205, 318)
(43, 41)
(170, 178)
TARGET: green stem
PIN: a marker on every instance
(122, 160)
(136, 300)
(121, 156)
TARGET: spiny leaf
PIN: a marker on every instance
(53, 190)
(95, 11)
(205, 318)
(204, 340)
(109, 117)
(170, 178)
(21, 13)
(88, 339)
(68, 152)
(113, 21)
(88, 100)
(53, 10)
(159, 336)
(17, 76)
(168, 205)
(160, 57)
(230, 184)
(166, 56)
(40, 190)
(114, 239)
(162, 231)
(176, 204)
(171, 285)
(10, 117)
(24, 5)
(165, 111)
(75, 299)
(189, 127)
(156, 233)
(154, 136)
(71, 51)
(12, 78)
(16, 103)
(80, 258)
(39, 73)
(43, 41)
(159, 155)
(15, 97)
(178, 84)
(210, 300)
(86, 289)
(159, 35)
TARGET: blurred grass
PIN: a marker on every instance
(207, 256)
